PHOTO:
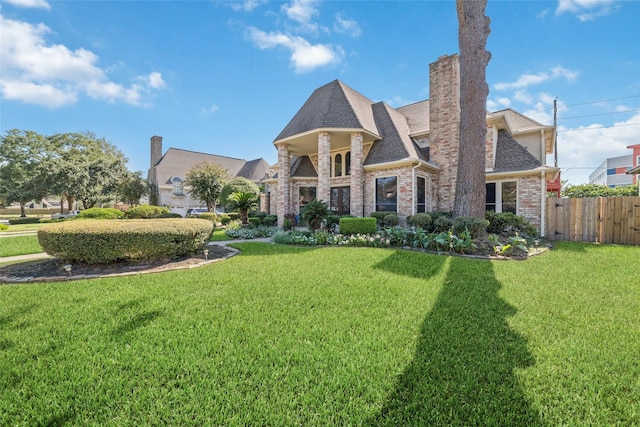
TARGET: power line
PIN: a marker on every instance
(600, 114)
(599, 127)
(602, 100)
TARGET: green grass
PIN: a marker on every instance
(19, 245)
(281, 336)
(21, 228)
(219, 236)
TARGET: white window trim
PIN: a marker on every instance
(499, 194)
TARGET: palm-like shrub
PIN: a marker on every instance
(244, 201)
(315, 213)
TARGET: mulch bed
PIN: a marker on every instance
(52, 269)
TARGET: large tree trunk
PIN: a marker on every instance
(473, 31)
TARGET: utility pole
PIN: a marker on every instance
(555, 129)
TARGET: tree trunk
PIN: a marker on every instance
(70, 201)
(473, 31)
(23, 214)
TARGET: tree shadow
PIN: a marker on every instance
(462, 372)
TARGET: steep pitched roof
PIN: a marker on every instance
(518, 122)
(177, 162)
(395, 143)
(302, 167)
(334, 105)
(417, 115)
(512, 156)
(254, 170)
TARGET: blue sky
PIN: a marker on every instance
(225, 77)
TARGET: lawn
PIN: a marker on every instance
(281, 336)
(19, 245)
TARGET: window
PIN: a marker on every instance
(421, 195)
(387, 194)
(611, 171)
(306, 194)
(178, 186)
(340, 200)
(502, 196)
(337, 165)
(637, 161)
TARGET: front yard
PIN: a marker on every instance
(282, 335)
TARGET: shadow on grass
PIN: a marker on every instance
(462, 372)
(413, 264)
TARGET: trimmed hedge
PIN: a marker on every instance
(145, 211)
(100, 213)
(358, 225)
(108, 241)
(26, 220)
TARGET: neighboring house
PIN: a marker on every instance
(613, 172)
(168, 172)
(635, 167)
(362, 156)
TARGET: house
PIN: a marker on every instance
(613, 172)
(168, 171)
(362, 156)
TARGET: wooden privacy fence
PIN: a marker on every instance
(600, 219)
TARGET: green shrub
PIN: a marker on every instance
(238, 184)
(168, 215)
(475, 226)
(507, 223)
(391, 220)
(254, 221)
(440, 221)
(421, 220)
(379, 216)
(270, 220)
(145, 212)
(357, 225)
(4, 227)
(210, 216)
(315, 213)
(100, 213)
(26, 220)
(107, 241)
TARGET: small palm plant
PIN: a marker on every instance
(244, 201)
(315, 213)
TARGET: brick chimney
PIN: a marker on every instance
(444, 125)
(156, 150)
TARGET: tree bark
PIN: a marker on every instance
(473, 31)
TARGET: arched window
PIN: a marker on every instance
(347, 163)
(178, 186)
(337, 165)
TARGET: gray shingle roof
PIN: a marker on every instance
(177, 162)
(512, 156)
(395, 143)
(334, 105)
(254, 170)
(303, 167)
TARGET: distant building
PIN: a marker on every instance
(168, 171)
(613, 172)
(635, 167)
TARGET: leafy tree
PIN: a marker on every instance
(131, 188)
(315, 213)
(235, 185)
(596, 190)
(85, 168)
(23, 156)
(473, 30)
(244, 201)
(206, 180)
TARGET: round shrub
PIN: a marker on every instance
(4, 227)
(391, 220)
(238, 184)
(210, 216)
(145, 212)
(420, 220)
(100, 213)
(107, 241)
(168, 215)
(476, 226)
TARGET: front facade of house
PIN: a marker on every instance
(168, 171)
(362, 157)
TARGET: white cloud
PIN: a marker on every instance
(586, 10)
(301, 11)
(53, 75)
(247, 5)
(212, 109)
(34, 4)
(348, 26)
(305, 56)
(584, 148)
(527, 80)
